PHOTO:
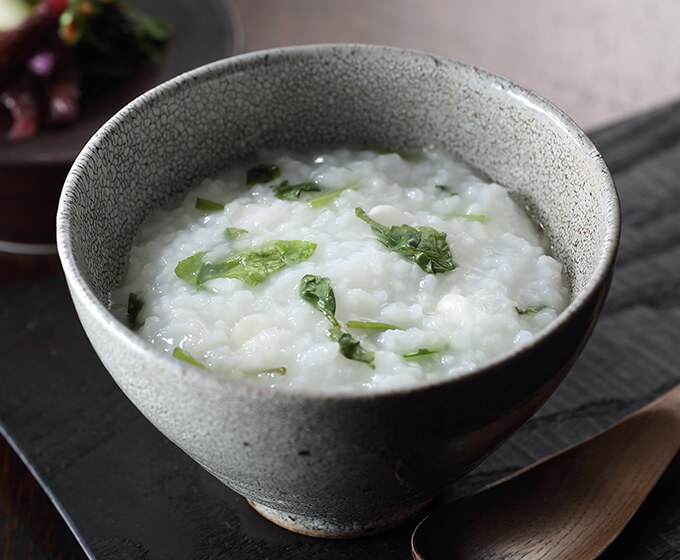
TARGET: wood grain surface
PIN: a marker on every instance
(30, 526)
(569, 506)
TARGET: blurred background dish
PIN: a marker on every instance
(32, 171)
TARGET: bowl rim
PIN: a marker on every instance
(80, 289)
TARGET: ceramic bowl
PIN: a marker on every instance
(343, 465)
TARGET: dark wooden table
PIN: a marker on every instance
(633, 356)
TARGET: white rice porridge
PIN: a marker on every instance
(400, 324)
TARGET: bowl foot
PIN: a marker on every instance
(337, 528)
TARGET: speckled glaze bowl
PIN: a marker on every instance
(336, 466)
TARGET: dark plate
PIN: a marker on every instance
(128, 493)
(33, 171)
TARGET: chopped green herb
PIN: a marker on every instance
(426, 246)
(286, 191)
(414, 157)
(371, 325)
(278, 371)
(188, 358)
(530, 310)
(420, 353)
(256, 265)
(234, 232)
(446, 189)
(134, 306)
(189, 268)
(471, 217)
(317, 291)
(252, 266)
(350, 347)
(263, 173)
(208, 205)
(325, 198)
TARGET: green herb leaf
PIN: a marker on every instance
(325, 198)
(286, 191)
(263, 173)
(350, 347)
(234, 232)
(134, 306)
(426, 246)
(252, 266)
(420, 353)
(446, 189)
(317, 291)
(471, 217)
(189, 268)
(414, 157)
(208, 205)
(278, 371)
(530, 310)
(371, 325)
(188, 358)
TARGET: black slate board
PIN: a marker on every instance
(128, 493)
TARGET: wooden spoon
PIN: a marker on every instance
(569, 506)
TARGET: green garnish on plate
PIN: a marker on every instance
(317, 291)
(424, 245)
(234, 232)
(420, 353)
(371, 326)
(262, 173)
(186, 357)
(530, 310)
(251, 266)
(134, 306)
(286, 191)
(208, 205)
(325, 198)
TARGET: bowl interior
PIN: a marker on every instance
(163, 143)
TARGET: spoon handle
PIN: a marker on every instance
(669, 401)
(569, 506)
